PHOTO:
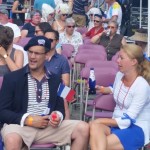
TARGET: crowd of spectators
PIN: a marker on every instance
(41, 67)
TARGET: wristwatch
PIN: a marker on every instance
(5, 56)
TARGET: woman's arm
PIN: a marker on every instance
(54, 26)
(103, 90)
(96, 38)
(15, 6)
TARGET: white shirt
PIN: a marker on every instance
(136, 103)
(15, 28)
(76, 40)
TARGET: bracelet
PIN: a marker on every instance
(30, 121)
(101, 89)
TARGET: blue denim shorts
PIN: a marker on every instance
(132, 138)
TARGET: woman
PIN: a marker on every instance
(10, 58)
(19, 11)
(44, 27)
(48, 14)
(62, 11)
(129, 127)
(97, 27)
(28, 30)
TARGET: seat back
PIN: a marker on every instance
(81, 30)
(67, 50)
(23, 41)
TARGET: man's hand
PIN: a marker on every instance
(54, 119)
(37, 121)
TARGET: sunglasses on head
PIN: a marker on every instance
(36, 31)
(51, 14)
(96, 21)
(71, 26)
(64, 14)
(112, 27)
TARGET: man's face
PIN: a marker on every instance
(37, 57)
(3, 17)
(36, 18)
(51, 36)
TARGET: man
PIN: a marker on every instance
(112, 41)
(114, 13)
(80, 7)
(38, 4)
(58, 64)
(31, 111)
(70, 36)
(5, 22)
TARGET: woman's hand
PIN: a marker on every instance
(2, 51)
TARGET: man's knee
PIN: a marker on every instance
(14, 140)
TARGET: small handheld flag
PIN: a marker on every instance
(65, 92)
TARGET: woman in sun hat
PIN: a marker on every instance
(61, 13)
(48, 14)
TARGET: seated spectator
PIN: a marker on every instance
(58, 64)
(110, 39)
(44, 27)
(28, 30)
(48, 14)
(30, 109)
(129, 127)
(10, 58)
(61, 13)
(38, 4)
(70, 36)
(4, 20)
(97, 27)
(140, 37)
(91, 13)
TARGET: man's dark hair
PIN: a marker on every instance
(45, 26)
(6, 37)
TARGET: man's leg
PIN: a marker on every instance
(13, 141)
(80, 136)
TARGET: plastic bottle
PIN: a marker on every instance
(92, 82)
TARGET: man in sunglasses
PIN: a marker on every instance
(30, 109)
(110, 39)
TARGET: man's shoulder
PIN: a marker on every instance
(116, 5)
(11, 25)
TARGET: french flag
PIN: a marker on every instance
(66, 92)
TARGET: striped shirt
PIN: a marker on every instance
(78, 6)
(38, 95)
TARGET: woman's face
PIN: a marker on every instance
(50, 16)
(125, 63)
(38, 31)
(97, 22)
(63, 17)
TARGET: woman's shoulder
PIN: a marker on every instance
(142, 82)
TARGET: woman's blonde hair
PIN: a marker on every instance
(135, 52)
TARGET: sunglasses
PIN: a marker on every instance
(52, 40)
(64, 14)
(71, 26)
(91, 14)
(96, 21)
(36, 31)
(51, 14)
(112, 27)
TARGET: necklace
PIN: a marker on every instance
(122, 106)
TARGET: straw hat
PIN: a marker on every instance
(139, 36)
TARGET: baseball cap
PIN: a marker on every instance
(4, 11)
(39, 41)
